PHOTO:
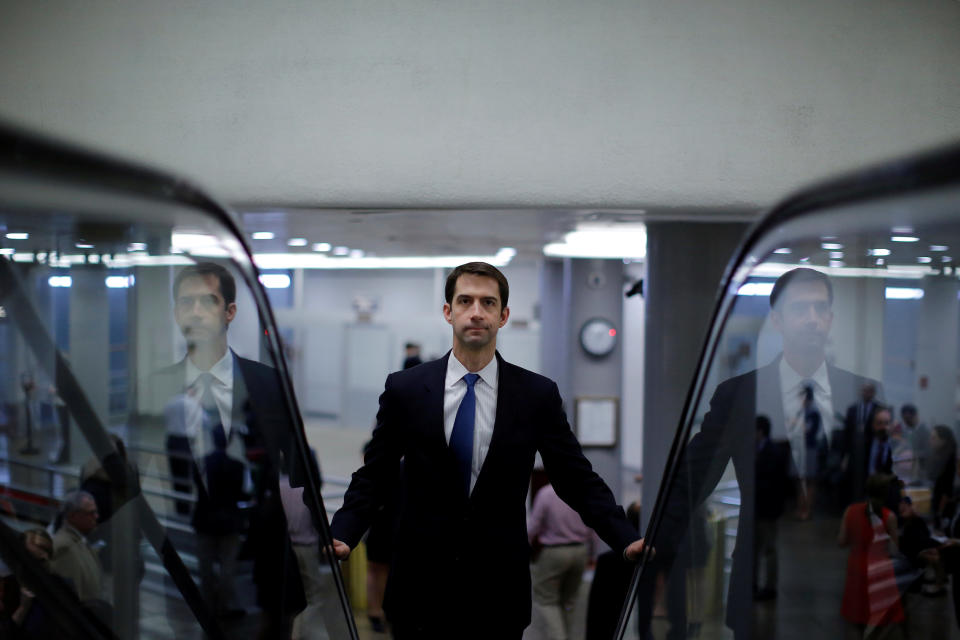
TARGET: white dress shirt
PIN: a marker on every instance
(485, 389)
(791, 388)
(222, 388)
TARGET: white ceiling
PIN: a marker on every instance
(541, 104)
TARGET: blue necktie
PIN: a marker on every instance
(461, 439)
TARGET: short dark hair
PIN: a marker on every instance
(800, 274)
(477, 269)
(908, 408)
(228, 286)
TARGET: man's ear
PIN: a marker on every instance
(504, 314)
(776, 319)
(231, 312)
(447, 313)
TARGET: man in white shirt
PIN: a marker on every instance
(468, 427)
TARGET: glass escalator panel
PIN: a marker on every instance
(155, 480)
(810, 490)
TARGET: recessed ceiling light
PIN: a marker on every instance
(904, 239)
(881, 262)
(84, 245)
(137, 246)
(356, 253)
(341, 251)
(262, 235)
(831, 246)
(297, 242)
(6, 252)
(837, 263)
(18, 236)
(836, 255)
(878, 252)
(902, 230)
(938, 247)
(924, 259)
(321, 246)
(946, 259)
(784, 251)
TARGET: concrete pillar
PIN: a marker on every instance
(684, 264)
(937, 351)
(153, 332)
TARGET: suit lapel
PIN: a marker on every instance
(506, 401)
(770, 398)
(434, 380)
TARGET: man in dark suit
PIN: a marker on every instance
(468, 427)
(858, 440)
(226, 423)
(801, 311)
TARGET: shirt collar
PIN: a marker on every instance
(222, 371)
(790, 380)
(456, 371)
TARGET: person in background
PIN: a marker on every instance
(773, 490)
(557, 570)
(871, 598)
(858, 438)
(943, 465)
(73, 557)
(412, 355)
(917, 434)
(880, 459)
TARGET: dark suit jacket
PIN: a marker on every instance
(260, 432)
(468, 558)
(729, 432)
(772, 479)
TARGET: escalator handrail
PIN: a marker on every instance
(923, 171)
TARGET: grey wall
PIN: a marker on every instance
(615, 102)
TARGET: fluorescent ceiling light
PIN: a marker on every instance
(831, 246)
(902, 230)
(137, 246)
(836, 255)
(322, 246)
(837, 263)
(262, 235)
(60, 281)
(6, 252)
(924, 259)
(198, 244)
(904, 239)
(784, 251)
(903, 293)
(356, 253)
(938, 247)
(18, 236)
(878, 252)
(905, 271)
(119, 282)
(341, 251)
(297, 242)
(755, 289)
(84, 245)
(318, 261)
(275, 280)
(608, 241)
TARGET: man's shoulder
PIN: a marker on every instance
(63, 541)
(518, 377)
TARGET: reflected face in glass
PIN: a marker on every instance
(475, 311)
(881, 424)
(804, 317)
(201, 311)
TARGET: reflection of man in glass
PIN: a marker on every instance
(225, 425)
(797, 383)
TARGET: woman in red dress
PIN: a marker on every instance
(871, 600)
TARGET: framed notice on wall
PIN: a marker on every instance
(596, 419)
